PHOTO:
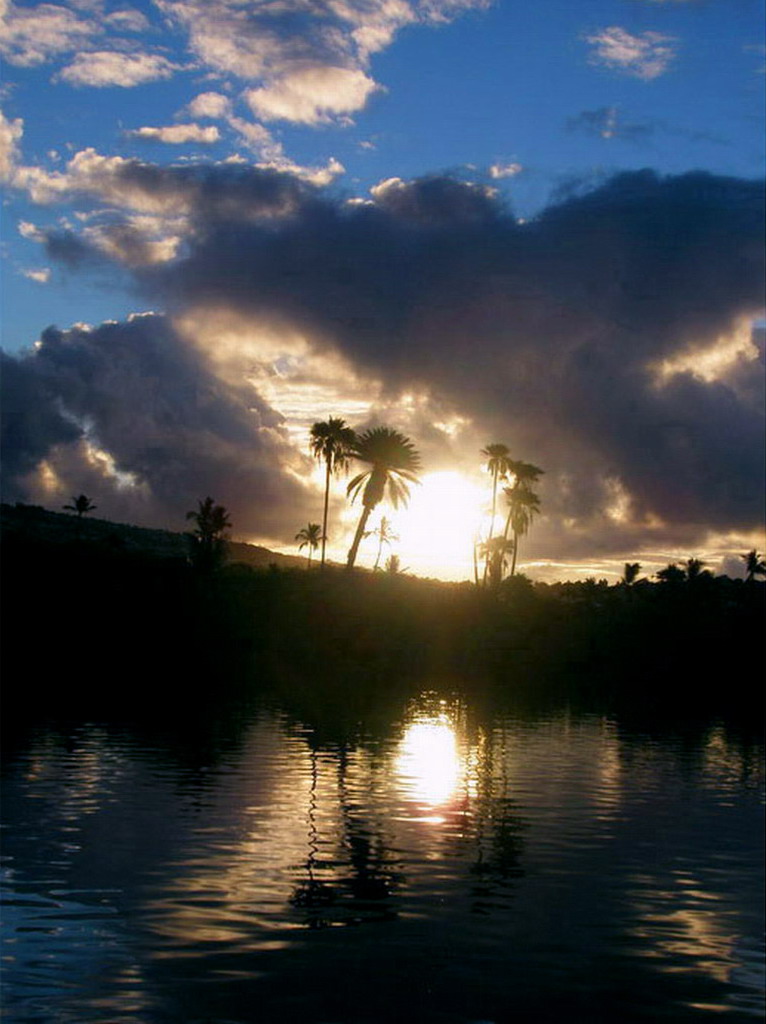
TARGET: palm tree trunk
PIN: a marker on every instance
(491, 524)
(380, 552)
(326, 502)
(358, 537)
(515, 551)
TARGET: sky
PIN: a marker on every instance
(472, 221)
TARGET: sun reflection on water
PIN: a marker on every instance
(428, 761)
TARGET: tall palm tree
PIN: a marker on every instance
(523, 506)
(331, 442)
(754, 565)
(523, 502)
(394, 462)
(497, 456)
(310, 537)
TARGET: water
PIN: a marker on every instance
(445, 864)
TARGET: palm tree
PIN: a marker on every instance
(331, 441)
(384, 534)
(208, 540)
(310, 537)
(393, 462)
(523, 506)
(497, 456)
(671, 575)
(696, 571)
(630, 573)
(494, 551)
(80, 504)
(523, 503)
(754, 565)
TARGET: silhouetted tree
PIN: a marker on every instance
(310, 537)
(81, 504)
(523, 502)
(208, 542)
(393, 462)
(385, 535)
(630, 573)
(331, 442)
(754, 565)
(394, 566)
(494, 552)
(671, 574)
(695, 570)
(497, 456)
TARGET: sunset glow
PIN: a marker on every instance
(438, 527)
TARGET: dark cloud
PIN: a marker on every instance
(139, 392)
(549, 334)
(608, 123)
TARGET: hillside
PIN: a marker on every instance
(34, 523)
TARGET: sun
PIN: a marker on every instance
(438, 527)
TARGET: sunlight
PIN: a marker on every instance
(428, 761)
(437, 529)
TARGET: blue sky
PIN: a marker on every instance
(528, 106)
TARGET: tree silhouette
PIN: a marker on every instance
(394, 566)
(671, 574)
(754, 565)
(331, 442)
(310, 537)
(695, 570)
(385, 535)
(630, 573)
(523, 502)
(81, 504)
(494, 551)
(497, 456)
(393, 462)
(208, 541)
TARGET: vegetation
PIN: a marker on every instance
(80, 504)
(310, 536)
(498, 459)
(385, 535)
(332, 442)
(207, 543)
(393, 464)
(754, 565)
(149, 636)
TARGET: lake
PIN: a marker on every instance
(445, 860)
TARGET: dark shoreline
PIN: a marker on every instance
(97, 623)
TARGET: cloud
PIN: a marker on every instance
(30, 36)
(11, 133)
(647, 55)
(178, 134)
(210, 104)
(310, 61)
(505, 170)
(153, 409)
(606, 340)
(312, 95)
(127, 20)
(102, 68)
(41, 276)
(607, 123)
